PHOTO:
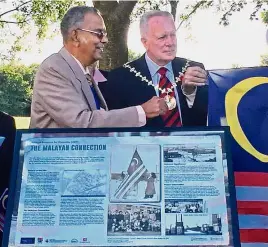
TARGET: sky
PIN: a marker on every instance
(241, 43)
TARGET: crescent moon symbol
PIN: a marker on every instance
(136, 160)
(232, 99)
(3, 201)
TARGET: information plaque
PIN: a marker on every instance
(122, 188)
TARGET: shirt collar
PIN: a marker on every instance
(85, 71)
(97, 76)
(153, 67)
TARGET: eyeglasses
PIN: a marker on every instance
(100, 34)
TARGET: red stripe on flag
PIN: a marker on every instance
(252, 207)
(254, 235)
(251, 179)
(2, 221)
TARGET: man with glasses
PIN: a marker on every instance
(65, 93)
(181, 82)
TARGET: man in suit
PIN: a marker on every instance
(157, 71)
(65, 93)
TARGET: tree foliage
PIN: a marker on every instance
(16, 88)
(230, 7)
(41, 13)
(132, 55)
(23, 14)
(146, 5)
(264, 60)
(264, 16)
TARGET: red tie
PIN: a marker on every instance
(171, 118)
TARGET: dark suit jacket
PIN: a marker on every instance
(124, 89)
(8, 130)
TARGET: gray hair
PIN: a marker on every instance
(147, 16)
(74, 18)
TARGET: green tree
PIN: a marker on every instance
(133, 55)
(16, 88)
(236, 66)
(264, 16)
(24, 14)
(264, 60)
(117, 16)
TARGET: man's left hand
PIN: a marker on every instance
(193, 77)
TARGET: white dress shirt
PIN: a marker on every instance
(153, 68)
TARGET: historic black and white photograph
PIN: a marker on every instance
(179, 224)
(182, 153)
(135, 173)
(131, 220)
(184, 206)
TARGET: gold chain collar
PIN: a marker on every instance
(156, 87)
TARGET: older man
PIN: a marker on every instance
(65, 93)
(160, 73)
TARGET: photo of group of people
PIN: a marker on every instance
(184, 206)
(124, 219)
(189, 153)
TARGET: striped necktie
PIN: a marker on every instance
(172, 117)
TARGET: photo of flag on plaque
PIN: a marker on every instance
(135, 173)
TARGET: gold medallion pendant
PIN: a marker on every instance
(171, 102)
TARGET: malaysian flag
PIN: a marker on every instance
(135, 171)
(135, 162)
(238, 98)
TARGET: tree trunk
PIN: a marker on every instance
(174, 5)
(116, 16)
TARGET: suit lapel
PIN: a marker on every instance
(141, 66)
(148, 91)
(79, 76)
(177, 68)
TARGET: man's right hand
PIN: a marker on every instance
(154, 107)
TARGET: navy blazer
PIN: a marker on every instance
(124, 89)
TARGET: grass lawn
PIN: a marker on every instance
(22, 122)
